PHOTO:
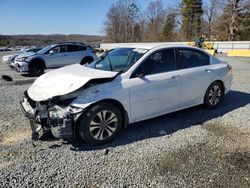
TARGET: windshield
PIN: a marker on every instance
(118, 60)
(45, 49)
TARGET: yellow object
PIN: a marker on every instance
(207, 46)
(212, 52)
(238, 53)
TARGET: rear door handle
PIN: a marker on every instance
(177, 77)
(208, 70)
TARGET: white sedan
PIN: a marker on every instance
(123, 86)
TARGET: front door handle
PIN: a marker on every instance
(177, 77)
(208, 70)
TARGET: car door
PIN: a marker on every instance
(195, 70)
(155, 86)
(75, 53)
(56, 57)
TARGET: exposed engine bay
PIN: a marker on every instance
(56, 115)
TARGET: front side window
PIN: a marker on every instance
(158, 62)
(59, 49)
(190, 58)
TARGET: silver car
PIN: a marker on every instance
(7, 59)
(54, 56)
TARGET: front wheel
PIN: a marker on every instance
(36, 69)
(213, 95)
(100, 123)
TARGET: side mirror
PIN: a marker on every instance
(51, 52)
(140, 75)
(98, 65)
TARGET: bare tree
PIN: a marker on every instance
(210, 12)
(155, 17)
(121, 21)
(235, 15)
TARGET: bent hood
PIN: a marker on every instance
(64, 80)
(26, 54)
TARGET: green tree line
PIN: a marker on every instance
(188, 19)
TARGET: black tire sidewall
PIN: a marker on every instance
(34, 67)
(85, 119)
(206, 98)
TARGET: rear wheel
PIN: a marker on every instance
(213, 95)
(100, 124)
(36, 69)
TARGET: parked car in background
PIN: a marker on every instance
(7, 59)
(4, 49)
(54, 56)
(123, 86)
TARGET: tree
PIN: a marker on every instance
(155, 15)
(210, 13)
(233, 22)
(234, 16)
(122, 21)
(169, 27)
(244, 29)
(191, 12)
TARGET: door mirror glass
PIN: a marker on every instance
(140, 75)
(51, 52)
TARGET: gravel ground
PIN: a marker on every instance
(196, 147)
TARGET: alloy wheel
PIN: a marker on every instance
(214, 95)
(103, 125)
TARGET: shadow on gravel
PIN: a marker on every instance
(173, 122)
(28, 75)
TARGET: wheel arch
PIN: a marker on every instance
(115, 102)
(221, 82)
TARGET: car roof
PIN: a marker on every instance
(155, 45)
(68, 42)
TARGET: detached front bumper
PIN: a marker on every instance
(20, 66)
(43, 121)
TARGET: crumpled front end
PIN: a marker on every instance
(20, 66)
(55, 116)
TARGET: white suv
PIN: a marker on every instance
(54, 56)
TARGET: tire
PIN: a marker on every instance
(86, 60)
(36, 69)
(93, 125)
(213, 95)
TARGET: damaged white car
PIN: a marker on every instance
(125, 85)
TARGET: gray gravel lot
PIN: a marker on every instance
(200, 147)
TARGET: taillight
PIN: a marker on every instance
(230, 70)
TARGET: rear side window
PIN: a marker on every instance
(73, 48)
(83, 48)
(190, 58)
(159, 62)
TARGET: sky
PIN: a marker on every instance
(56, 16)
